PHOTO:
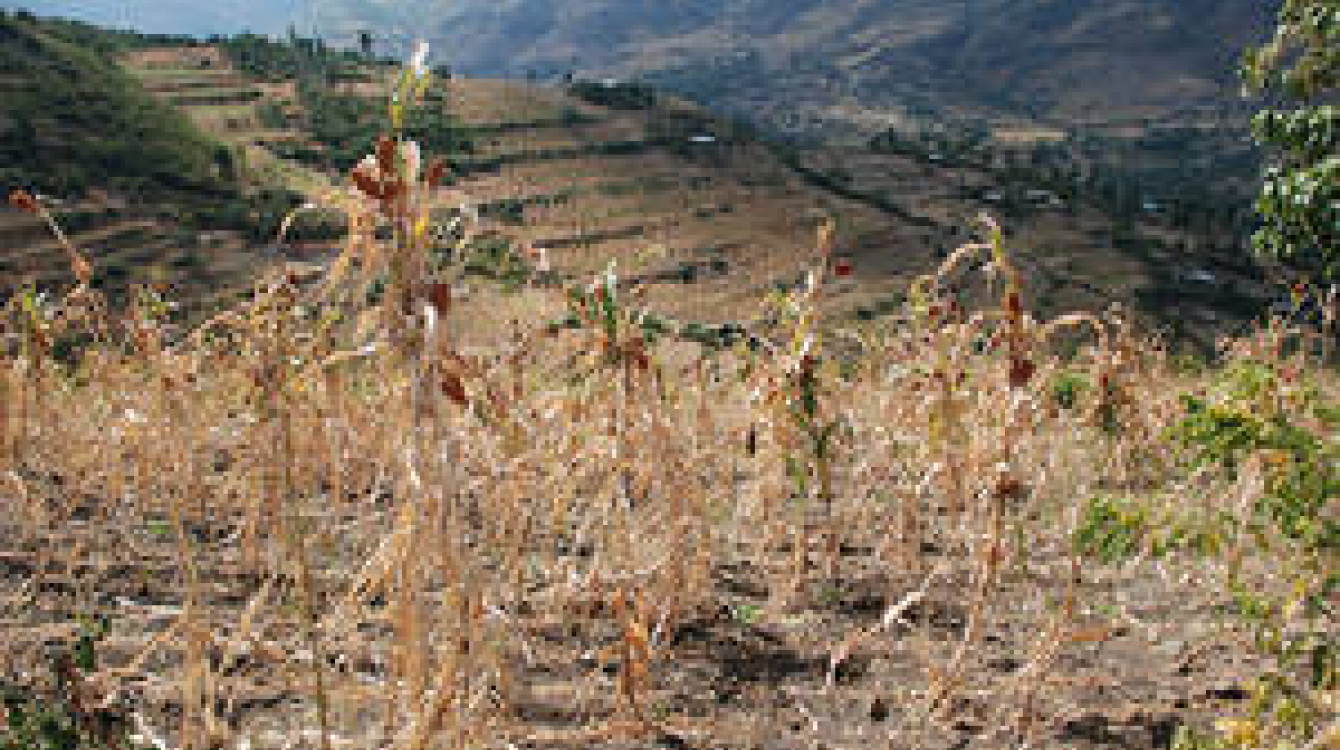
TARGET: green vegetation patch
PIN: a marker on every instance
(615, 94)
(74, 120)
(281, 61)
(348, 125)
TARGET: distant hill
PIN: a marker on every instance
(1140, 95)
(846, 62)
(1056, 56)
(841, 70)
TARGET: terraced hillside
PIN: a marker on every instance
(224, 102)
(711, 220)
(130, 179)
(825, 65)
(1143, 91)
(706, 217)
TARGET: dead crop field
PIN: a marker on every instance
(317, 521)
(411, 500)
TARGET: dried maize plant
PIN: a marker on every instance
(793, 388)
(30, 335)
(971, 425)
(635, 470)
(967, 463)
(380, 309)
(83, 270)
(953, 354)
(46, 338)
(632, 652)
(395, 291)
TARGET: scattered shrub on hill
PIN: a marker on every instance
(73, 120)
(294, 58)
(102, 41)
(615, 94)
(348, 125)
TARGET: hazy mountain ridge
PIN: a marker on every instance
(1071, 55)
(1063, 59)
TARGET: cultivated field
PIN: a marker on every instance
(927, 532)
(416, 499)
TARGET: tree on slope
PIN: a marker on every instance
(1298, 70)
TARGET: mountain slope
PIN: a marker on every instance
(63, 99)
(132, 179)
(844, 61)
(1060, 54)
(1141, 91)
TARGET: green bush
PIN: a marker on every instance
(348, 127)
(615, 95)
(1299, 204)
(493, 257)
(279, 61)
(1067, 389)
(271, 114)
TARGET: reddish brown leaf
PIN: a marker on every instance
(437, 172)
(24, 201)
(455, 389)
(1021, 371)
(439, 295)
(1009, 488)
(1091, 635)
(369, 185)
(386, 149)
(639, 358)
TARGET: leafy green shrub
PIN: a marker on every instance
(312, 227)
(188, 260)
(75, 222)
(493, 256)
(508, 211)
(1254, 412)
(271, 114)
(279, 61)
(1249, 416)
(1111, 529)
(1299, 200)
(296, 151)
(1067, 388)
(348, 125)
